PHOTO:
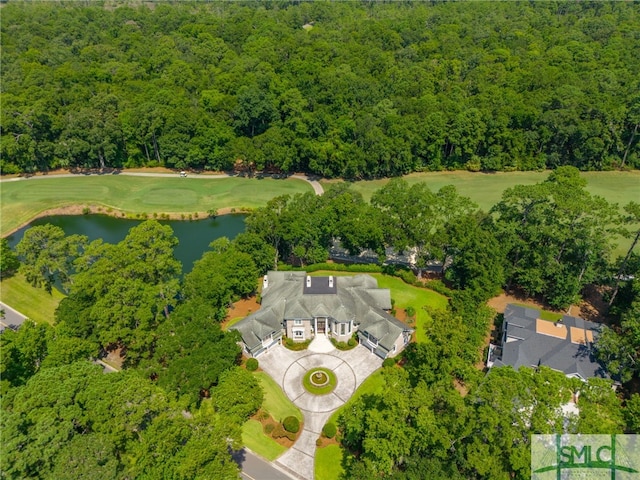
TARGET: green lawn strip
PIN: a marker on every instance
(35, 303)
(329, 463)
(373, 385)
(486, 188)
(23, 200)
(275, 401)
(254, 438)
(323, 390)
(544, 314)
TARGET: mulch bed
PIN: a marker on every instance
(285, 442)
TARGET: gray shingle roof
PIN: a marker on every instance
(356, 298)
(530, 343)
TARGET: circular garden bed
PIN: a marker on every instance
(319, 381)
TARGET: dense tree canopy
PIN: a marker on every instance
(422, 428)
(47, 255)
(619, 344)
(122, 292)
(64, 418)
(556, 234)
(191, 351)
(75, 422)
(9, 262)
(35, 346)
(221, 276)
(364, 89)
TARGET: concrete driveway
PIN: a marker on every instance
(287, 368)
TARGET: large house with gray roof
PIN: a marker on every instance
(565, 345)
(300, 306)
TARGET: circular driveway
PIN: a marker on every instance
(288, 367)
(305, 400)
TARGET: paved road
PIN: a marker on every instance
(255, 468)
(12, 318)
(311, 180)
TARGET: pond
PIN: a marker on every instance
(194, 236)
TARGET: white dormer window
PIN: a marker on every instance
(308, 281)
(297, 322)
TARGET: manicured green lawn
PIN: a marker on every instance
(22, 200)
(33, 302)
(404, 296)
(279, 407)
(486, 188)
(408, 295)
(328, 463)
(254, 438)
(275, 401)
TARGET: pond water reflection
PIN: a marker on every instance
(194, 236)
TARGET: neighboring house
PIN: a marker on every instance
(391, 257)
(566, 345)
(300, 307)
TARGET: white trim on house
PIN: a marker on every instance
(267, 341)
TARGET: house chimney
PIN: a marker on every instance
(265, 282)
(330, 281)
(308, 281)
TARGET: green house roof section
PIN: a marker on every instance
(294, 295)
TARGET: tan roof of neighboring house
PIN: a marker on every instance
(545, 327)
(577, 335)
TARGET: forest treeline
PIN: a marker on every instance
(338, 89)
